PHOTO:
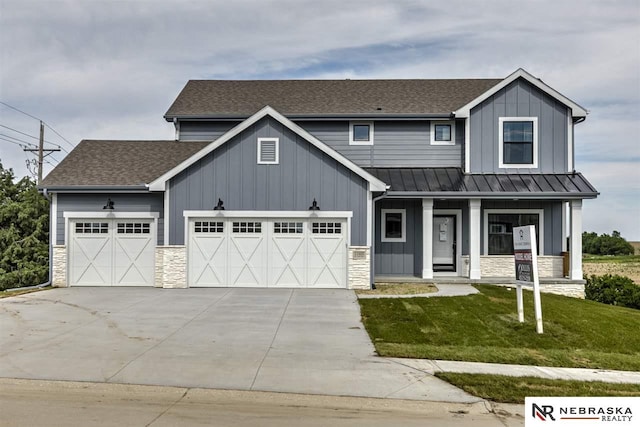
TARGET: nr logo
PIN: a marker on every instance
(543, 412)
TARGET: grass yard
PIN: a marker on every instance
(501, 388)
(399, 289)
(623, 265)
(484, 328)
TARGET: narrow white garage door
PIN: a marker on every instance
(261, 252)
(111, 252)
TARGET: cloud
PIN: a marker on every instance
(106, 69)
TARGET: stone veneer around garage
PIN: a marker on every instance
(59, 266)
(359, 274)
(171, 267)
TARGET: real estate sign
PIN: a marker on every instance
(526, 263)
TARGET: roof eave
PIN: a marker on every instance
(94, 188)
(324, 116)
(492, 195)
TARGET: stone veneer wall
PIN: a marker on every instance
(503, 266)
(359, 273)
(59, 266)
(171, 267)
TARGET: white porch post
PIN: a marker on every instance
(427, 238)
(575, 214)
(474, 239)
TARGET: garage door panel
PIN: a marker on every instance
(107, 252)
(270, 252)
(207, 260)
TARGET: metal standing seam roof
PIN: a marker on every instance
(453, 182)
(410, 97)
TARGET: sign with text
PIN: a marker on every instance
(526, 263)
(524, 251)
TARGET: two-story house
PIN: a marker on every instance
(327, 183)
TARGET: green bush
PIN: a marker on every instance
(605, 244)
(613, 290)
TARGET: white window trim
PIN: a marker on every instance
(485, 225)
(371, 131)
(383, 225)
(503, 165)
(277, 141)
(451, 123)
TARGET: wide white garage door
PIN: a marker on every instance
(268, 252)
(111, 252)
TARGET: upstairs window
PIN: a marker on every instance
(268, 151)
(361, 133)
(443, 133)
(518, 139)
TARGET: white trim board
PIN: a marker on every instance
(267, 214)
(576, 110)
(159, 184)
(485, 225)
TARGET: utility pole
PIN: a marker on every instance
(41, 150)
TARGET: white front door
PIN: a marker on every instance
(444, 243)
(107, 252)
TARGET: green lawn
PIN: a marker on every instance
(500, 388)
(485, 328)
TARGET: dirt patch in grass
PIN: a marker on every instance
(623, 266)
(399, 289)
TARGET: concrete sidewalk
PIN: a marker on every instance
(577, 374)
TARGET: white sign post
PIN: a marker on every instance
(526, 261)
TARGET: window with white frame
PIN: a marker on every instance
(443, 133)
(268, 151)
(499, 224)
(394, 225)
(518, 142)
(361, 133)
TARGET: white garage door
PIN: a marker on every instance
(268, 252)
(111, 252)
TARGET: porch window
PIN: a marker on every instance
(499, 230)
(394, 225)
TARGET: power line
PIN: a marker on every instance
(36, 118)
(13, 142)
(26, 134)
(17, 139)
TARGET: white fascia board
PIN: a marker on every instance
(110, 214)
(576, 110)
(267, 214)
(159, 184)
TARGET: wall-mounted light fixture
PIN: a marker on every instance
(314, 206)
(109, 205)
(219, 206)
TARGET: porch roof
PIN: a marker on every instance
(453, 183)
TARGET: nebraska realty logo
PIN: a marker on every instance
(582, 411)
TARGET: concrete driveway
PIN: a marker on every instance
(298, 341)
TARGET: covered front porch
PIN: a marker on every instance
(441, 224)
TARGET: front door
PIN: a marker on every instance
(444, 243)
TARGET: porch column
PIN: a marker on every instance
(427, 238)
(474, 239)
(575, 215)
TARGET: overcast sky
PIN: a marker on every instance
(110, 69)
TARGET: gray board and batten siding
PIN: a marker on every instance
(231, 173)
(405, 258)
(396, 143)
(519, 99)
(138, 202)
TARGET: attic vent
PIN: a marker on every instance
(268, 151)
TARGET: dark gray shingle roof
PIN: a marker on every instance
(119, 163)
(241, 98)
(452, 181)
